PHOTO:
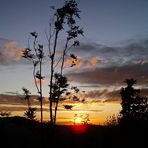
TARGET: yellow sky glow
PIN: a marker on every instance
(98, 112)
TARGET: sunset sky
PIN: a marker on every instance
(114, 47)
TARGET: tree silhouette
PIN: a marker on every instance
(65, 17)
(134, 106)
(58, 88)
(35, 54)
(65, 20)
(31, 111)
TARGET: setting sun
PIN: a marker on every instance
(78, 120)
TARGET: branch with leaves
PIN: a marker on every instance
(36, 56)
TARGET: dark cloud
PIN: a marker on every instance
(107, 95)
(87, 47)
(144, 92)
(14, 98)
(11, 93)
(15, 107)
(2, 58)
(104, 95)
(117, 62)
(114, 75)
(4, 98)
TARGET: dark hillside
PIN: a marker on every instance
(23, 133)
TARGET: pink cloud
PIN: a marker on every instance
(68, 62)
(80, 63)
(12, 51)
(93, 61)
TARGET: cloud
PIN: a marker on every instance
(143, 61)
(93, 61)
(82, 62)
(16, 98)
(107, 95)
(113, 75)
(11, 93)
(132, 51)
(112, 64)
(10, 53)
(103, 95)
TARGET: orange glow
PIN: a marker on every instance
(93, 61)
(79, 128)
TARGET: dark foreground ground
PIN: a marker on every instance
(18, 132)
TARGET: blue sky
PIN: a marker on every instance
(115, 44)
(103, 20)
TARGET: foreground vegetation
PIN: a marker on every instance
(24, 133)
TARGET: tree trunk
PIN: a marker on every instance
(41, 97)
(51, 76)
(55, 113)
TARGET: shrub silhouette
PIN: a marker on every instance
(112, 120)
(5, 113)
(30, 112)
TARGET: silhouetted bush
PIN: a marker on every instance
(134, 107)
(112, 120)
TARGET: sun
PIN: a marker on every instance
(78, 120)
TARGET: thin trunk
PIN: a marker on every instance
(40, 82)
(34, 76)
(28, 102)
(55, 113)
(50, 99)
(62, 66)
(41, 97)
(51, 76)
(63, 57)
